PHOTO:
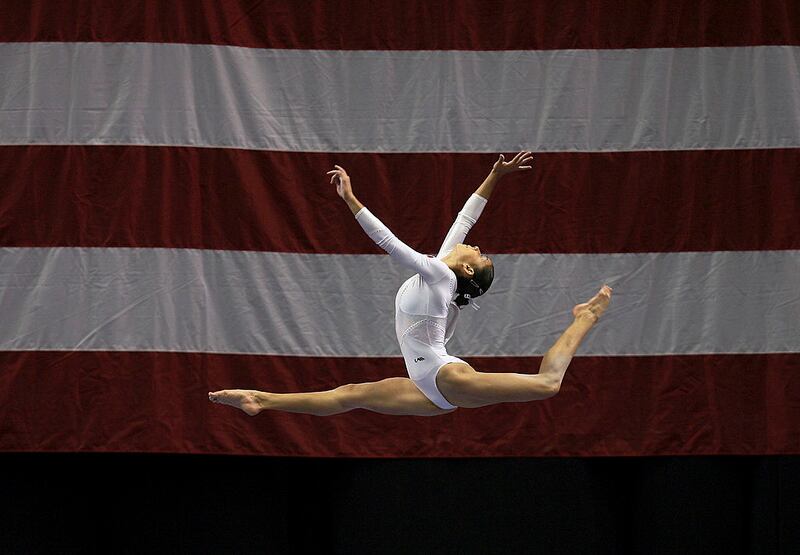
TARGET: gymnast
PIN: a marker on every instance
(426, 308)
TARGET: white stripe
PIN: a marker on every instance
(387, 101)
(342, 305)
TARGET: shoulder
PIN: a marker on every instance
(452, 281)
(446, 272)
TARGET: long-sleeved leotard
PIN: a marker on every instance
(425, 313)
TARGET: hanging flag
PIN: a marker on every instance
(167, 227)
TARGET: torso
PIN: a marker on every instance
(424, 314)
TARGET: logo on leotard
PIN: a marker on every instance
(418, 359)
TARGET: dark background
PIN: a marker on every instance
(126, 503)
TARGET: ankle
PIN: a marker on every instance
(263, 399)
(586, 316)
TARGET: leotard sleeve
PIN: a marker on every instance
(464, 221)
(431, 269)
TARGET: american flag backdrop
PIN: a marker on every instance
(166, 226)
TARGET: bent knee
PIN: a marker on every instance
(551, 387)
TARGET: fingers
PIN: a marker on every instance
(521, 161)
(524, 160)
(334, 175)
(339, 173)
(518, 160)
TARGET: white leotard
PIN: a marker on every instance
(425, 313)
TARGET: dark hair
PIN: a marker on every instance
(469, 287)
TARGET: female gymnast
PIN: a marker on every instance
(426, 307)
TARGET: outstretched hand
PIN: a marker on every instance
(340, 178)
(517, 163)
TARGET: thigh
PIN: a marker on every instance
(464, 387)
(456, 382)
(395, 396)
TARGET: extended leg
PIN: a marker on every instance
(390, 396)
(464, 387)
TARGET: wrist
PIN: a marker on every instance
(353, 203)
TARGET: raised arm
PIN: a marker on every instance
(477, 201)
(501, 168)
(431, 269)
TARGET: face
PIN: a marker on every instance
(471, 255)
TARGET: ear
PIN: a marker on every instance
(469, 270)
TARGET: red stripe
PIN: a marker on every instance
(367, 25)
(690, 405)
(127, 196)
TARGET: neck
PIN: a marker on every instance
(450, 261)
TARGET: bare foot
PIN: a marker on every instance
(596, 305)
(244, 399)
